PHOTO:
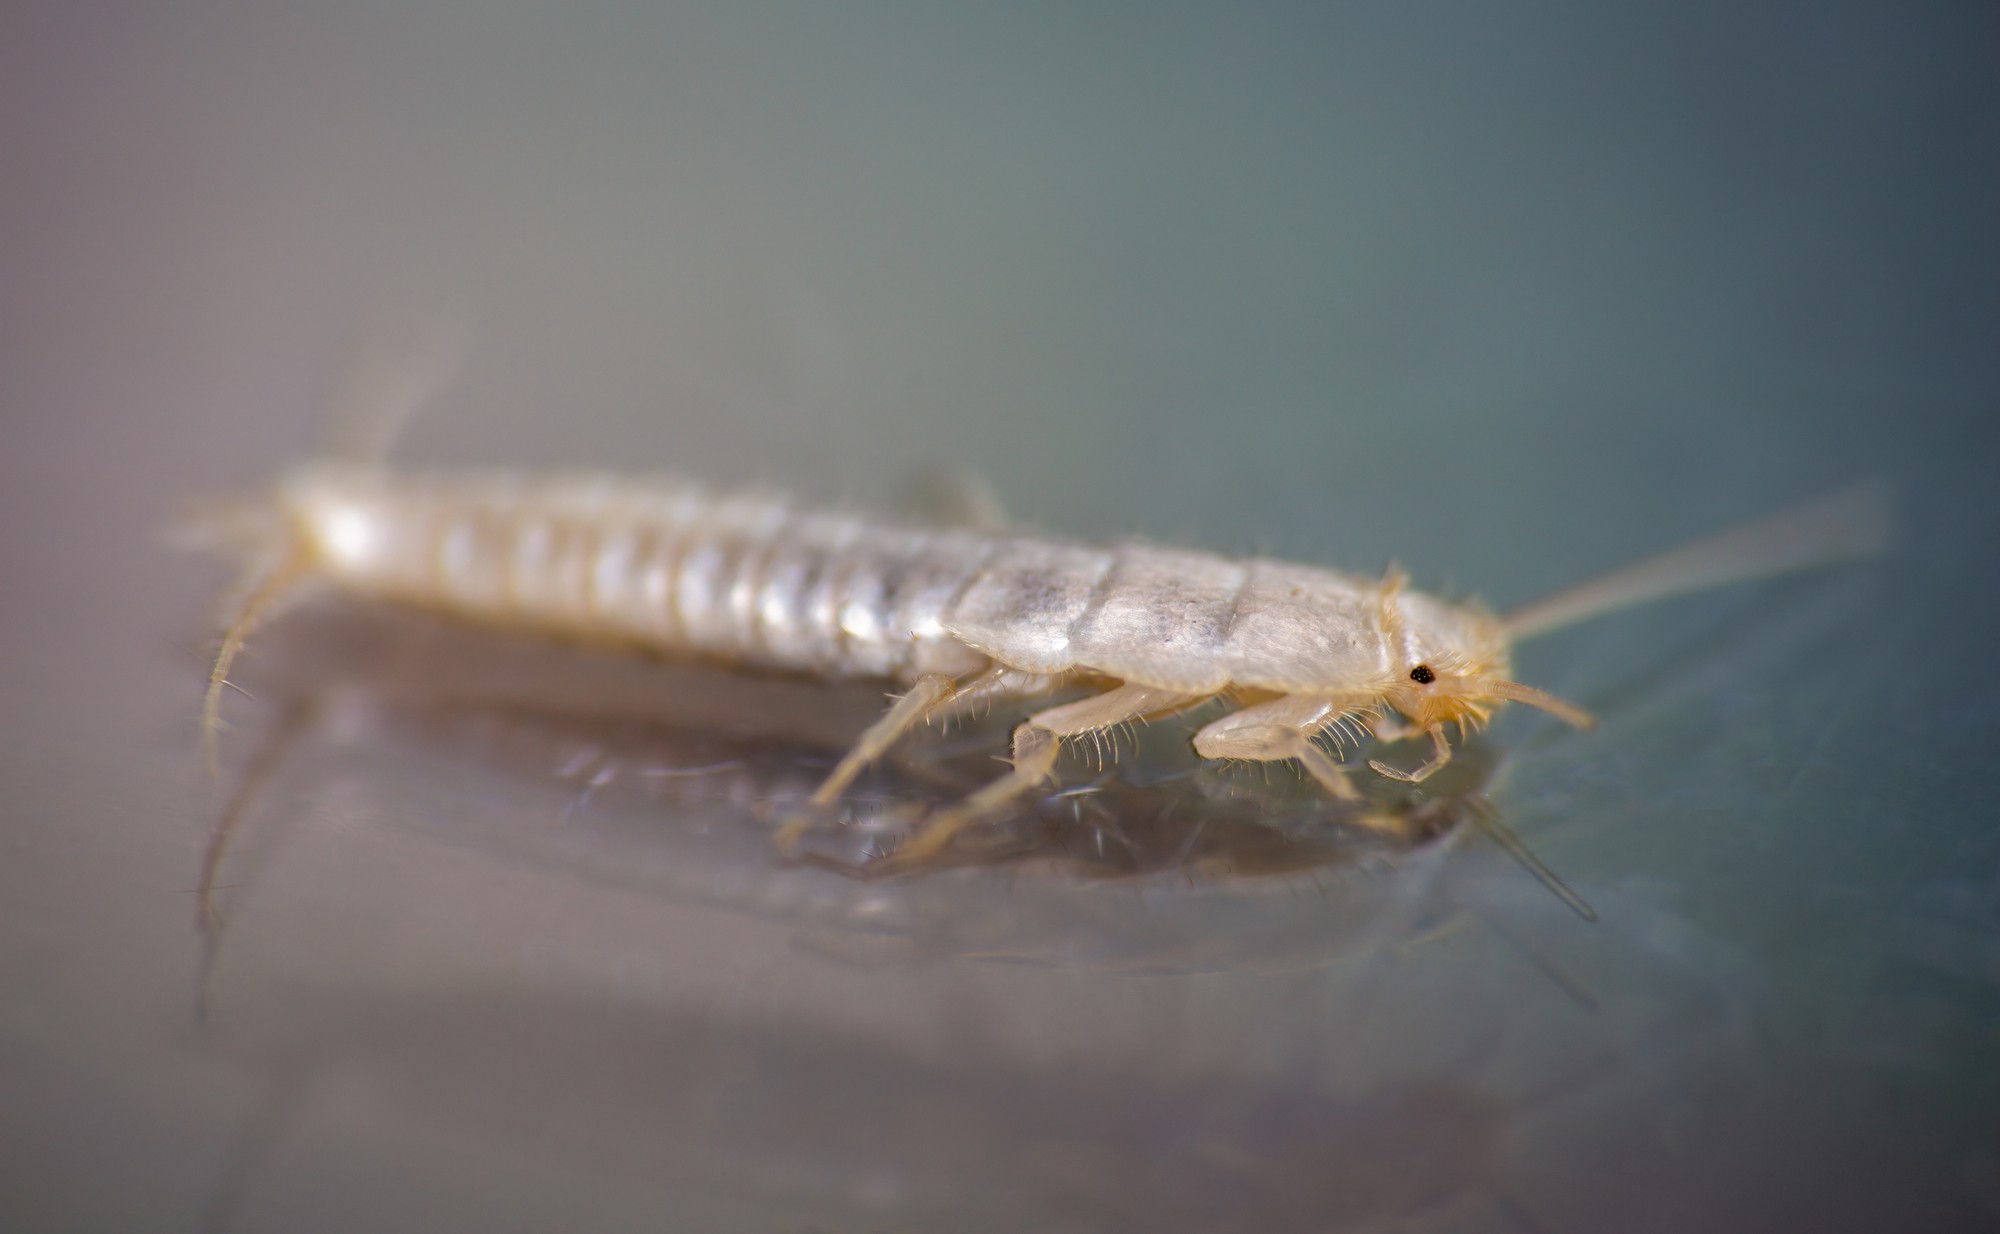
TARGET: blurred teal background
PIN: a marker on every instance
(1510, 294)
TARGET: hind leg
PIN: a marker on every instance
(1037, 742)
(927, 695)
(933, 696)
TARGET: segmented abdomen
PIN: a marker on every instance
(664, 565)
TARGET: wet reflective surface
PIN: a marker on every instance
(499, 939)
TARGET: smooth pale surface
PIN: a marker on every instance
(1511, 297)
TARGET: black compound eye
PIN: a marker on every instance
(1423, 675)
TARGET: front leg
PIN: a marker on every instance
(1441, 756)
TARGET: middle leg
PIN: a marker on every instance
(1280, 729)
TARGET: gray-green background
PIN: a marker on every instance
(1509, 293)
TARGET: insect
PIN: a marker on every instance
(1313, 658)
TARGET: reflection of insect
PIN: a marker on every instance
(960, 615)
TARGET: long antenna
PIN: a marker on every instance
(1855, 522)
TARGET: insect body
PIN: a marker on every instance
(958, 616)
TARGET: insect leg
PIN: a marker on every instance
(1280, 729)
(995, 682)
(905, 714)
(933, 694)
(1438, 760)
(1037, 741)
